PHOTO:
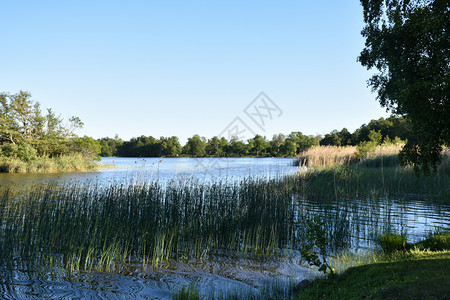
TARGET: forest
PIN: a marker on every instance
(259, 146)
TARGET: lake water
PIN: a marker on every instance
(357, 220)
(125, 170)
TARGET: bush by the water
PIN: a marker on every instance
(438, 241)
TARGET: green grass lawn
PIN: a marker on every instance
(419, 275)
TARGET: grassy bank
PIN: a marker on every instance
(423, 275)
(421, 272)
(58, 164)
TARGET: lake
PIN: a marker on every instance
(124, 169)
(354, 223)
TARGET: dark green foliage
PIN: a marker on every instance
(22, 151)
(438, 241)
(314, 250)
(408, 43)
(195, 146)
(392, 127)
(144, 146)
(87, 146)
(368, 147)
(216, 147)
(170, 146)
(259, 146)
(109, 147)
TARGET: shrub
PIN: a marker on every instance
(366, 148)
(438, 241)
(22, 151)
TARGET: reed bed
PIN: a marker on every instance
(65, 163)
(320, 157)
(356, 182)
(100, 228)
(327, 156)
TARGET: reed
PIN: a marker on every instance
(79, 227)
(320, 157)
(65, 163)
(327, 156)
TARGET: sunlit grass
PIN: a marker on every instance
(65, 163)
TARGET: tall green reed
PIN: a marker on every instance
(91, 227)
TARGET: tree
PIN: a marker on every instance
(277, 141)
(195, 146)
(22, 123)
(170, 146)
(331, 139)
(259, 145)
(213, 146)
(407, 41)
(87, 146)
(236, 147)
(289, 148)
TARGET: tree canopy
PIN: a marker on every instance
(26, 132)
(407, 41)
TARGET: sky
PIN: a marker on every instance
(179, 68)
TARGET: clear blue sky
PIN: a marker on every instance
(166, 68)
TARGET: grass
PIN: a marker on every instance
(390, 242)
(420, 276)
(419, 273)
(64, 163)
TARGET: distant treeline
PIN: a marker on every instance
(279, 146)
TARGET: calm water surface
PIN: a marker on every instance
(125, 170)
(356, 222)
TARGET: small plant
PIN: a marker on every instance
(390, 242)
(187, 293)
(317, 240)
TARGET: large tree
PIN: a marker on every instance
(22, 123)
(407, 41)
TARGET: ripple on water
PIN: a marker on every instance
(217, 276)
